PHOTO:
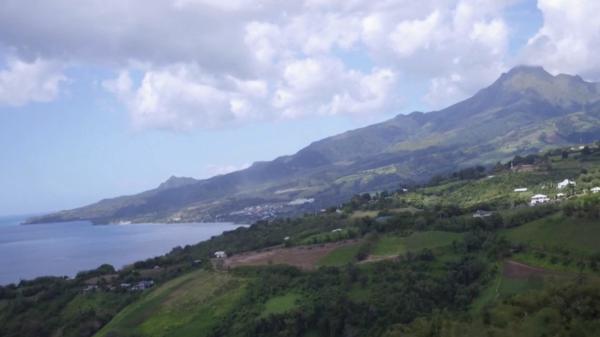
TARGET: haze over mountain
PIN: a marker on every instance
(525, 110)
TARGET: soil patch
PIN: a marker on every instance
(516, 270)
(304, 257)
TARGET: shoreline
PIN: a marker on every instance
(64, 249)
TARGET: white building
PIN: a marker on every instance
(220, 254)
(565, 183)
(482, 214)
(560, 195)
(539, 199)
(521, 189)
(595, 190)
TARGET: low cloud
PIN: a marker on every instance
(23, 82)
(569, 40)
(217, 64)
(215, 170)
(183, 97)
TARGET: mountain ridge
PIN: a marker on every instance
(525, 110)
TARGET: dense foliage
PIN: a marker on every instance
(454, 284)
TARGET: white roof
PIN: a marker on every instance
(521, 189)
(566, 182)
(596, 188)
(539, 196)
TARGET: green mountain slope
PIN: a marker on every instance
(424, 262)
(524, 111)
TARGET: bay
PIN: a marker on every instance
(63, 249)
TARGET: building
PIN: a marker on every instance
(539, 199)
(565, 183)
(220, 255)
(595, 190)
(482, 214)
(90, 288)
(560, 195)
(142, 285)
(521, 189)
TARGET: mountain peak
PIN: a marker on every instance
(535, 81)
(174, 182)
(526, 73)
(528, 69)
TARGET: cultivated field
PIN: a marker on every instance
(186, 306)
(304, 257)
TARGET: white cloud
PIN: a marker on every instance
(324, 86)
(182, 97)
(410, 35)
(210, 64)
(215, 170)
(569, 40)
(22, 82)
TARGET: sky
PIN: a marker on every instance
(101, 98)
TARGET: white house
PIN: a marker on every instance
(220, 254)
(595, 190)
(521, 189)
(560, 195)
(565, 183)
(539, 199)
(482, 214)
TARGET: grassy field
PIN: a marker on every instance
(556, 232)
(186, 306)
(390, 245)
(343, 234)
(340, 256)
(502, 287)
(280, 304)
(364, 214)
(499, 189)
(98, 302)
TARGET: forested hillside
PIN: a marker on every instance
(463, 255)
(525, 111)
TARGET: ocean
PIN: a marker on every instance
(63, 249)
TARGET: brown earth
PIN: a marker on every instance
(304, 257)
(517, 270)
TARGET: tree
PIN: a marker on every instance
(565, 154)
(586, 151)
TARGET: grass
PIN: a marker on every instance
(390, 245)
(502, 287)
(557, 232)
(280, 304)
(498, 189)
(99, 302)
(340, 256)
(329, 236)
(186, 306)
(359, 294)
(364, 214)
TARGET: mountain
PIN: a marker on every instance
(526, 110)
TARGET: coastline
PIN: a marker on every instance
(28, 251)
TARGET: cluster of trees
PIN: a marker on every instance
(563, 310)
(398, 292)
(583, 207)
(40, 308)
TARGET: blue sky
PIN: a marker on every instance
(90, 112)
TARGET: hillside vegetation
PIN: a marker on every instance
(464, 255)
(525, 111)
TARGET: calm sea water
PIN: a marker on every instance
(28, 251)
